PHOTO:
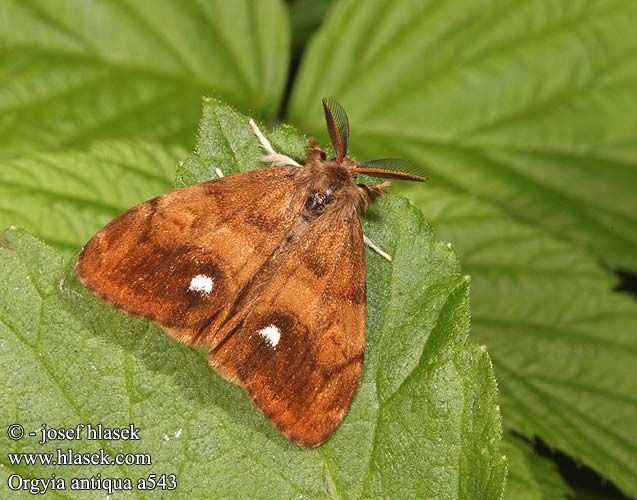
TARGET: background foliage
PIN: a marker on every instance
(524, 113)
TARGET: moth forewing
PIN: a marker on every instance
(144, 262)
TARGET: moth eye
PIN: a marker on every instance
(323, 155)
(317, 202)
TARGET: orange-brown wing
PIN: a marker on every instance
(181, 259)
(298, 350)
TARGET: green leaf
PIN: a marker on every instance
(529, 105)
(227, 145)
(562, 342)
(530, 476)
(424, 422)
(73, 72)
(65, 197)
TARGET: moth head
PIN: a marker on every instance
(386, 168)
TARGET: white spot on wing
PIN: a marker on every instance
(271, 334)
(202, 284)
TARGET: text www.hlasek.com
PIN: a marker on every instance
(69, 457)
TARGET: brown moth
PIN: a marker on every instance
(265, 269)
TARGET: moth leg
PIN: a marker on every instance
(376, 248)
(368, 193)
(219, 173)
(277, 159)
